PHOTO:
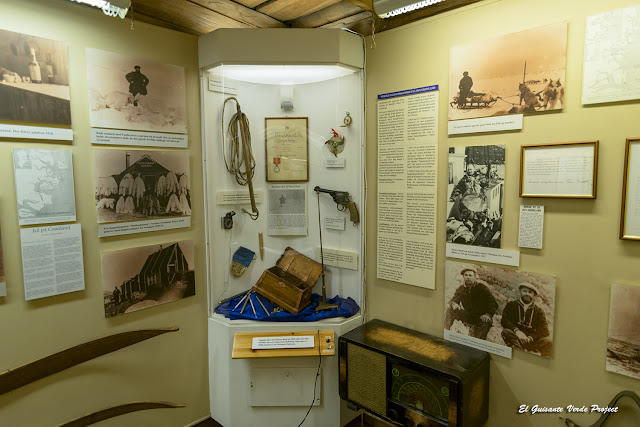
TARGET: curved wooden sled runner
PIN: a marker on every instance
(38, 369)
(115, 411)
(605, 415)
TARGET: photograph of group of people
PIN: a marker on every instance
(505, 307)
(476, 193)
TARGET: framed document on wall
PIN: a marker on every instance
(630, 217)
(565, 170)
(287, 149)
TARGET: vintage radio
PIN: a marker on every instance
(290, 282)
(412, 378)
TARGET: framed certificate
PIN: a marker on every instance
(287, 149)
(565, 170)
(630, 217)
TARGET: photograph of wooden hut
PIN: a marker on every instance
(143, 277)
(134, 184)
(2, 285)
(34, 80)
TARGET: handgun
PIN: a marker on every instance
(343, 202)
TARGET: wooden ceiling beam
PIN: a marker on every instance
(250, 3)
(287, 10)
(363, 4)
(240, 13)
(363, 24)
(186, 14)
(346, 22)
(137, 16)
(426, 12)
(325, 16)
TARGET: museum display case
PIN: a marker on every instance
(301, 92)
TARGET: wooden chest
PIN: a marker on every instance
(290, 282)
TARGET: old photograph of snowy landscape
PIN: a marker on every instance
(135, 93)
(516, 73)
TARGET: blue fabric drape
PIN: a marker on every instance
(347, 307)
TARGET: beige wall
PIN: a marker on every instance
(581, 245)
(171, 367)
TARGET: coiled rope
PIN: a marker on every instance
(239, 133)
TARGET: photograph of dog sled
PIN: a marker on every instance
(516, 73)
(137, 185)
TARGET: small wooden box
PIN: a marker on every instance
(290, 282)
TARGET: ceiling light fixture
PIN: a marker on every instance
(390, 8)
(111, 7)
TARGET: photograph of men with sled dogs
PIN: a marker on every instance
(135, 93)
(516, 73)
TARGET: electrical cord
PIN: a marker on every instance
(315, 382)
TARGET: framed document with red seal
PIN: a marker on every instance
(287, 149)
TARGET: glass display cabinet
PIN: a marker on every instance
(302, 92)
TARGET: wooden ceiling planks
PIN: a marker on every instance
(325, 16)
(250, 3)
(203, 16)
(186, 14)
(240, 13)
(137, 16)
(287, 10)
(348, 21)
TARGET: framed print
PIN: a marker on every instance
(630, 217)
(566, 170)
(287, 149)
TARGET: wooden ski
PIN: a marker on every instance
(115, 411)
(38, 369)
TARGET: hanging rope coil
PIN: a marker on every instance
(239, 153)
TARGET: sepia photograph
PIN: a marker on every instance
(34, 80)
(1, 260)
(515, 73)
(505, 307)
(44, 186)
(143, 277)
(134, 93)
(623, 343)
(476, 194)
(141, 185)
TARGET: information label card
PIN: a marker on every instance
(483, 254)
(486, 124)
(531, 225)
(407, 186)
(52, 261)
(270, 343)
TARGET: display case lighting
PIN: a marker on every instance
(282, 75)
(111, 7)
(390, 8)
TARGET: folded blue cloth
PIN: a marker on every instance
(346, 308)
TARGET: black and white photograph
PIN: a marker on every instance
(623, 343)
(2, 284)
(287, 201)
(137, 185)
(34, 80)
(134, 93)
(505, 307)
(287, 210)
(521, 72)
(476, 194)
(143, 277)
(44, 186)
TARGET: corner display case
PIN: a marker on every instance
(302, 91)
